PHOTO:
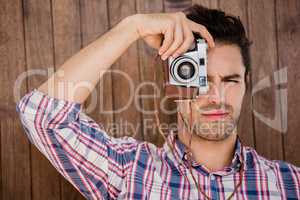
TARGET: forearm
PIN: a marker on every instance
(75, 79)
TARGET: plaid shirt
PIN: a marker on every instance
(102, 167)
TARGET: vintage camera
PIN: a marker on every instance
(190, 69)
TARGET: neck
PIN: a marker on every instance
(214, 155)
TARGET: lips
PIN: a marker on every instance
(215, 114)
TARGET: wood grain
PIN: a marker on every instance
(264, 63)
(288, 32)
(15, 161)
(128, 121)
(15, 150)
(208, 3)
(39, 56)
(175, 5)
(37, 35)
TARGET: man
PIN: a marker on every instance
(204, 160)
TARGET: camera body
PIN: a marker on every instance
(190, 69)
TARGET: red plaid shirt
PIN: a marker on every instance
(103, 167)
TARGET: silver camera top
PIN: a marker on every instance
(190, 68)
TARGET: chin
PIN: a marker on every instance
(214, 137)
(216, 130)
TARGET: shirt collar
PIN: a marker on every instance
(181, 151)
(178, 147)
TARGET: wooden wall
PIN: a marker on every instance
(42, 34)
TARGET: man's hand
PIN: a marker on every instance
(175, 29)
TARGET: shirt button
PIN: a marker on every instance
(212, 177)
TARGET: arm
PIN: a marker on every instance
(89, 64)
(78, 148)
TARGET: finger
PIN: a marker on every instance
(153, 41)
(178, 39)
(198, 28)
(188, 40)
(168, 39)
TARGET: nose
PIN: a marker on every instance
(215, 93)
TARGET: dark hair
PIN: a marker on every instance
(224, 28)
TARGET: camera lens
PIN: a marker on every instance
(186, 70)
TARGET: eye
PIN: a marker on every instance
(231, 80)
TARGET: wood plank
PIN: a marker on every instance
(175, 5)
(67, 42)
(39, 56)
(264, 63)
(147, 69)
(288, 31)
(94, 23)
(15, 159)
(15, 152)
(235, 7)
(207, 3)
(245, 129)
(128, 121)
(1, 185)
(67, 33)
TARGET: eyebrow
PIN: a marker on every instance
(231, 76)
